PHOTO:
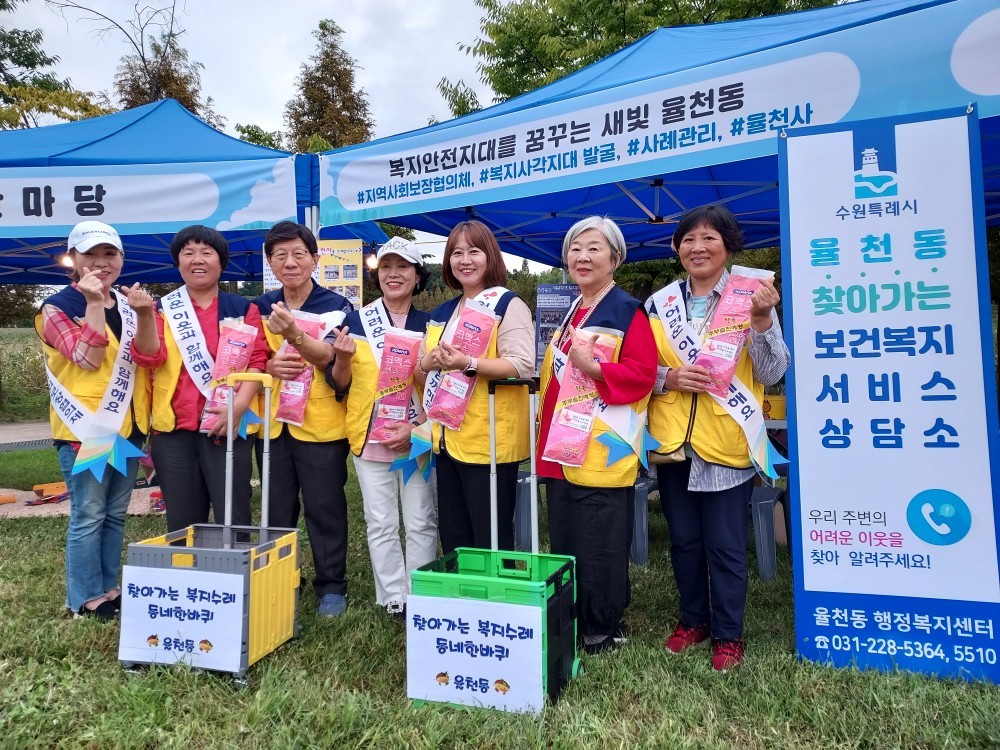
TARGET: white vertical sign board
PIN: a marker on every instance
(893, 415)
(172, 615)
(474, 653)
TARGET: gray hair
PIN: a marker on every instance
(610, 230)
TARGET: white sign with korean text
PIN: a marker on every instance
(172, 615)
(893, 413)
(474, 653)
(147, 198)
(889, 363)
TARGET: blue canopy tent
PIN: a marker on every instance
(148, 171)
(683, 117)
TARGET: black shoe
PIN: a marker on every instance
(103, 611)
(607, 643)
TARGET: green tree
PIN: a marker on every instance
(18, 303)
(258, 136)
(394, 230)
(328, 104)
(28, 88)
(164, 70)
(158, 67)
(524, 44)
(460, 98)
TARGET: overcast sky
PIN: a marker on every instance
(252, 51)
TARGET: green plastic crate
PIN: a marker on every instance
(545, 581)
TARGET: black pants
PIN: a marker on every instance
(708, 549)
(464, 503)
(191, 467)
(319, 471)
(594, 524)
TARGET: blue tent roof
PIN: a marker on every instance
(883, 58)
(162, 133)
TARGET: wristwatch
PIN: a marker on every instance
(297, 341)
(473, 368)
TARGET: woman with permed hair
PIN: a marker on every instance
(706, 475)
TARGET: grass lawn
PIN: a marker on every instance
(342, 683)
(22, 470)
(23, 393)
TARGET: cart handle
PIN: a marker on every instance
(249, 377)
(530, 382)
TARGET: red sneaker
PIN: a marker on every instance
(685, 636)
(726, 654)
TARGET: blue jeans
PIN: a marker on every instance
(96, 528)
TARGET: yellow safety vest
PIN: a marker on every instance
(470, 444)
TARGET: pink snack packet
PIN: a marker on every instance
(729, 327)
(472, 336)
(395, 381)
(576, 402)
(294, 393)
(236, 340)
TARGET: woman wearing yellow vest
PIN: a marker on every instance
(309, 457)
(706, 481)
(98, 394)
(367, 359)
(190, 462)
(473, 263)
(596, 378)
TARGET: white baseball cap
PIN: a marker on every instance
(89, 234)
(403, 248)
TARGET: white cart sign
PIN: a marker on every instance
(474, 653)
(893, 412)
(173, 616)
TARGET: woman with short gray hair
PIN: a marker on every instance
(603, 352)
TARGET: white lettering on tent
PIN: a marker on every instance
(636, 132)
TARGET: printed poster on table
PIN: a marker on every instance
(172, 615)
(474, 653)
(893, 416)
(552, 302)
(339, 269)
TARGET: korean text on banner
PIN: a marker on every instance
(893, 413)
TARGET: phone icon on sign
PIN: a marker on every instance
(939, 517)
(927, 510)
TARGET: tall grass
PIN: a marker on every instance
(341, 683)
(23, 392)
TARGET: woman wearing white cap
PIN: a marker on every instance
(362, 366)
(100, 399)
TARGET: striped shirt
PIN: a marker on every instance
(770, 359)
(76, 341)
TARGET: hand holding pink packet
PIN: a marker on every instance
(236, 340)
(294, 393)
(729, 327)
(471, 335)
(573, 417)
(395, 381)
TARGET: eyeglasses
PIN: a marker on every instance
(281, 257)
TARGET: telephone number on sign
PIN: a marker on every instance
(910, 649)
